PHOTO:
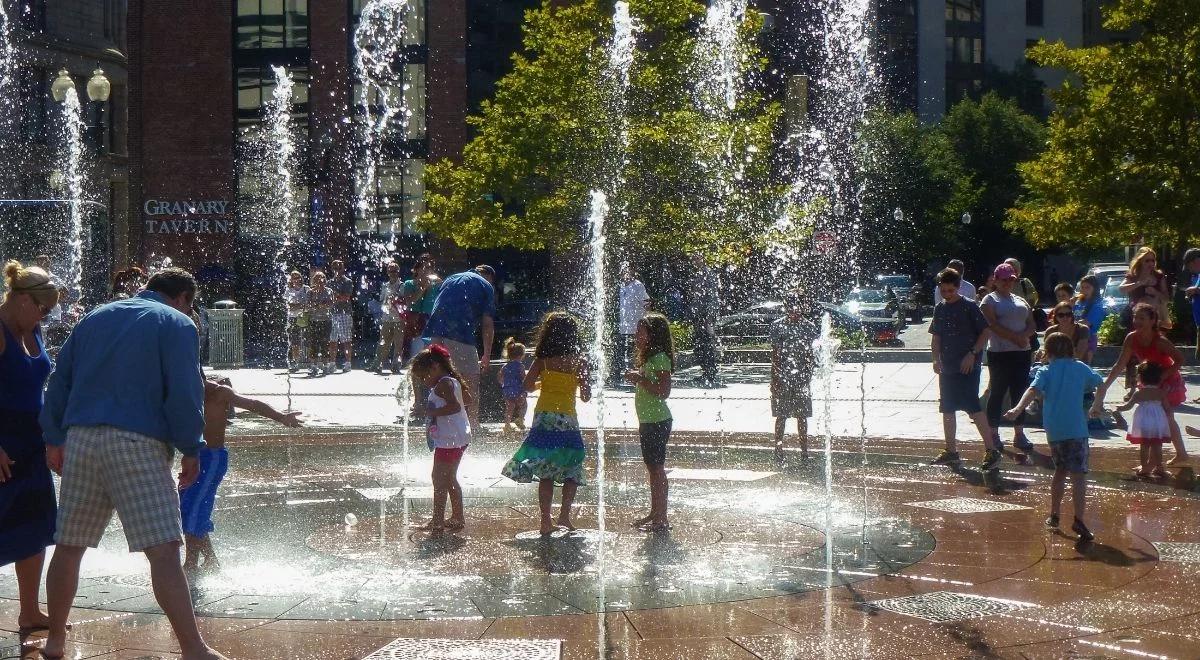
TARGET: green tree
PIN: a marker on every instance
(1123, 161)
(910, 167)
(991, 138)
(545, 140)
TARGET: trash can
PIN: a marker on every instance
(226, 345)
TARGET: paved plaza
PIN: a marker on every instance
(322, 556)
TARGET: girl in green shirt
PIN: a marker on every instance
(656, 359)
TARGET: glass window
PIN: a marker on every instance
(256, 84)
(34, 86)
(271, 24)
(399, 198)
(257, 186)
(964, 11)
(964, 50)
(414, 21)
(407, 92)
(1035, 13)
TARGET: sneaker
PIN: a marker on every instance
(1021, 442)
(1081, 529)
(330, 368)
(346, 368)
(947, 457)
(991, 458)
(1052, 521)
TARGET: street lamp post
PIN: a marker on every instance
(99, 89)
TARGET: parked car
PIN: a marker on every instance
(1106, 272)
(753, 325)
(750, 326)
(1112, 298)
(520, 319)
(879, 331)
(871, 303)
(898, 283)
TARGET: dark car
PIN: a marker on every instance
(519, 319)
(753, 326)
(879, 331)
(750, 326)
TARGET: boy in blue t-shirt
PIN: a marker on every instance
(1062, 385)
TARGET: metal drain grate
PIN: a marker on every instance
(1175, 551)
(943, 606)
(469, 649)
(967, 505)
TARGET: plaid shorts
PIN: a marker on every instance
(343, 326)
(107, 469)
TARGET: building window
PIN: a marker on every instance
(964, 11)
(964, 50)
(1035, 13)
(398, 194)
(271, 24)
(257, 193)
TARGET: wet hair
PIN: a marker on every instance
(172, 282)
(1149, 310)
(1059, 345)
(486, 271)
(435, 354)
(658, 335)
(957, 265)
(513, 349)
(949, 276)
(1137, 260)
(33, 281)
(558, 336)
(1094, 283)
(1064, 286)
(1150, 373)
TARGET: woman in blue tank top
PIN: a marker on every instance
(27, 508)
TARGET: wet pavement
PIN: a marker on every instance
(322, 558)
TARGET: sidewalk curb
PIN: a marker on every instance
(1105, 358)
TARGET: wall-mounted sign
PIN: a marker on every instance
(202, 216)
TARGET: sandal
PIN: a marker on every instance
(1161, 474)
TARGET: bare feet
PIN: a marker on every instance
(547, 526)
(566, 523)
(455, 524)
(659, 525)
(637, 524)
(206, 654)
(33, 622)
(1180, 459)
(433, 524)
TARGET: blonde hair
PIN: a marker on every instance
(1136, 263)
(33, 280)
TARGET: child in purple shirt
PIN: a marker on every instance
(512, 383)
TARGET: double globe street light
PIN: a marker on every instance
(99, 89)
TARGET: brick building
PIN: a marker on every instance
(200, 74)
(77, 36)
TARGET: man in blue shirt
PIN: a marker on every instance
(466, 302)
(126, 393)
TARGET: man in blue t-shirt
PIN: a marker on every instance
(466, 302)
(1062, 385)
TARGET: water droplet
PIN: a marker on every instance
(351, 520)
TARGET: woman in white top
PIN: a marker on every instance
(449, 433)
(1008, 353)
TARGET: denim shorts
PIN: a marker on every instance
(1071, 455)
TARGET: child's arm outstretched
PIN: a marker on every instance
(289, 419)
(1026, 399)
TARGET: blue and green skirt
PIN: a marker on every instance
(553, 449)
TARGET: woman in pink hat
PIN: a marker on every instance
(1009, 355)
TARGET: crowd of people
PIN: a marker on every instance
(1048, 359)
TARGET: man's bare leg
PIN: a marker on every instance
(173, 596)
(62, 580)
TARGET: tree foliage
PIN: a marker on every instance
(545, 140)
(1123, 161)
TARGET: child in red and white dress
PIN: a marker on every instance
(1150, 427)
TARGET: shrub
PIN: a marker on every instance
(1112, 332)
(851, 340)
(681, 334)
